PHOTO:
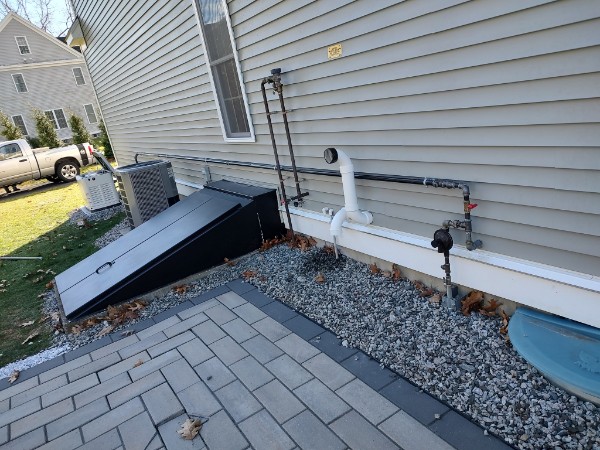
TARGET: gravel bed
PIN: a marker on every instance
(463, 360)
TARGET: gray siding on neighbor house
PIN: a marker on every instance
(503, 95)
(42, 49)
(49, 86)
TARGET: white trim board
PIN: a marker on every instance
(67, 62)
(565, 293)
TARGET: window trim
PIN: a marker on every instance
(252, 137)
(82, 76)
(24, 82)
(58, 127)
(88, 116)
(19, 47)
(24, 124)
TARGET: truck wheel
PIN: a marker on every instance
(67, 171)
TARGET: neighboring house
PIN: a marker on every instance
(501, 94)
(37, 70)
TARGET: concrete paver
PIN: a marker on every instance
(252, 380)
(263, 432)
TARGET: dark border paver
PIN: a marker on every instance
(303, 327)
(369, 370)
(329, 344)
(257, 298)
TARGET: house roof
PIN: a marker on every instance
(14, 16)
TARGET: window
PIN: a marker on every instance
(18, 121)
(91, 114)
(10, 151)
(23, 45)
(78, 74)
(224, 70)
(19, 82)
(57, 117)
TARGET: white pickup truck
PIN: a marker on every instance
(19, 162)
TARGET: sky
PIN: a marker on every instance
(59, 17)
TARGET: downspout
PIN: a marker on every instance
(350, 210)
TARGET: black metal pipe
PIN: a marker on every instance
(278, 86)
(277, 164)
(433, 182)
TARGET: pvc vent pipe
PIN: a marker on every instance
(350, 210)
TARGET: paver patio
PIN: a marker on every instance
(259, 374)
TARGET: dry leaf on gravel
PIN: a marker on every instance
(490, 308)
(190, 428)
(328, 249)
(138, 363)
(435, 299)
(504, 327)
(30, 337)
(14, 376)
(76, 330)
(374, 269)
(247, 274)
(396, 273)
(472, 302)
(26, 324)
(320, 278)
(181, 289)
(105, 331)
(50, 285)
(228, 262)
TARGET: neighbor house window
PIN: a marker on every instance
(78, 74)
(23, 45)
(19, 122)
(224, 69)
(19, 82)
(57, 117)
(91, 114)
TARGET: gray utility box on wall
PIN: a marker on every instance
(146, 189)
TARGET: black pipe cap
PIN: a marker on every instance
(276, 71)
(442, 240)
(331, 155)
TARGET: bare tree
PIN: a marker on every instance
(38, 12)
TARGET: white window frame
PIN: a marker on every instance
(252, 137)
(88, 115)
(24, 124)
(55, 121)
(82, 76)
(26, 43)
(24, 82)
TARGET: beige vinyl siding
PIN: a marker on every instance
(503, 95)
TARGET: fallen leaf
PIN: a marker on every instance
(76, 329)
(138, 363)
(247, 274)
(105, 331)
(320, 278)
(472, 302)
(427, 292)
(26, 324)
(396, 273)
(190, 428)
(50, 285)
(490, 309)
(504, 327)
(228, 262)
(181, 289)
(14, 376)
(328, 249)
(30, 337)
(374, 269)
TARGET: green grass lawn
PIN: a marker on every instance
(36, 224)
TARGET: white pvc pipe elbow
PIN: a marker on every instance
(350, 210)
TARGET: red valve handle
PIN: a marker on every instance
(472, 206)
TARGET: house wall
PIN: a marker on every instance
(503, 95)
(41, 48)
(50, 84)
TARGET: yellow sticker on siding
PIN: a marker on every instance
(334, 51)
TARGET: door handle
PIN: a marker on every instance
(104, 267)
(23, 160)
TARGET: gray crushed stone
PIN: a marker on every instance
(462, 360)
